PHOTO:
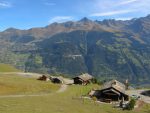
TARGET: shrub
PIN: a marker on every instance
(96, 81)
(94, 99)
(131, 104)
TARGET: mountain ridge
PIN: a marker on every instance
(105, 49)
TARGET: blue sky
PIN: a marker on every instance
(24, 14)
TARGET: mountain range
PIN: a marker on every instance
(105, 49)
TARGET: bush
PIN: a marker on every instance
(94, 99)
(95, 81)
(131, 104)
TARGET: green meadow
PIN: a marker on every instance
(8, 68)
(12, 85)
(43, 97)
(68, 101)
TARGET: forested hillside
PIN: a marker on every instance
(106, 49)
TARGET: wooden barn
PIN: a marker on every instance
(56, 80)
(43, 78)
(83, 79)
(112, 91)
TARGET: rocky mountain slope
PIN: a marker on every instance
(106, 49)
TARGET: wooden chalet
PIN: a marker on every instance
(83, 79)
(56, 80)
(43, 78)
(112, 91)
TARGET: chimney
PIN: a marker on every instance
(127, 84)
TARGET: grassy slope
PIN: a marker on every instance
(60, 103)
(7, 68)
(11, 84)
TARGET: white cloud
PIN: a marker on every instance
(5, 4)
(49, 3)
(117, 8)
(124, 18)
(125, 2)
(60, 19)
(111, 13)
(141, 6)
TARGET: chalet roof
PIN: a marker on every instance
(115, 84)
(85, 77)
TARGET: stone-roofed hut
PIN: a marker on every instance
(112, 91)
(43, 78)
(83, 79)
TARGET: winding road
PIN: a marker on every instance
(31, 75)
(146, 99)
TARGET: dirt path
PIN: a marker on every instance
(15, 96)
(62, 89)
(32, 75)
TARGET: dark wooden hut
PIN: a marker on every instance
(56, 80)
(112, 91)
(43, 78)
(83, 79)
